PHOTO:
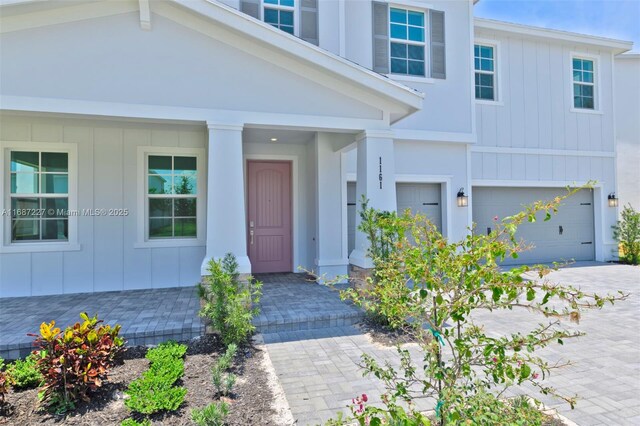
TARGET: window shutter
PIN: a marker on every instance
(381, 37)
(309, 21)
(250, 7)
(438, 53)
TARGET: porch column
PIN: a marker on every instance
(330, 260)
(226, 224)
(376, 180)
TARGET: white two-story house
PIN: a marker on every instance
(141, 138)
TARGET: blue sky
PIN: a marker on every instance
(618, 19)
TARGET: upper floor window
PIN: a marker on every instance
(583, 83)
(39, 194)
(485, 74)
(280, 14)
(407, 42)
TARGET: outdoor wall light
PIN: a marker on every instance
(613, 200)
(274, 139)
(463, 200)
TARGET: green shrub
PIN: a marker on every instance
(627, 233)
(75, 361)
(229, 304)
(25, 373)
(5, 383)
(151, 394)
(133, 422)
(168, 349)
(155, 390)
(384, 300)
(212, 415)
(222, 380)
(460, 360)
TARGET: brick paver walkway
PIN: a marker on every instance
(319, 373)
(146, 316)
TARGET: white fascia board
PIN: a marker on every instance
(433, 136)
(301, 50)
(617, 46)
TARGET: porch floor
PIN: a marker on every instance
(146, 316)
(291, 302)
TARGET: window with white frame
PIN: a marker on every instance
(407, 42)
(583, 83)
(172, 190)
(485, 71)
(280, 14)
(39, 196)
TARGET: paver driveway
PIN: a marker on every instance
(319, 374)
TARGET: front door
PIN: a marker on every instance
(269, 218)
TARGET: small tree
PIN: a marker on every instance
(449, 283)
(627, 233)
(229, 303)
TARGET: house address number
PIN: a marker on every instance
(380, 175)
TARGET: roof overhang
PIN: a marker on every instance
(399, 100)
(616, 46)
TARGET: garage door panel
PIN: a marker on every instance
(567, 235)
(423, 198)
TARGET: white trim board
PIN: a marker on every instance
(539, 151)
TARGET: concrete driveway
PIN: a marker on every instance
(319, 375)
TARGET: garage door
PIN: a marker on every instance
(421, 198)
(569, 235)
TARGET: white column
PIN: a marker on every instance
(376, 180)
(330, 261)
(226, 223)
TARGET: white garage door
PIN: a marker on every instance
(569, 235)
(421, 198)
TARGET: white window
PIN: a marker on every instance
(172, 183)
(407, 42)
(583, 71)
(485, 72)
(38, 193)
(280, 14)
(39, 196)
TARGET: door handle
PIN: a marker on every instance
(560, 230)
(251, 235)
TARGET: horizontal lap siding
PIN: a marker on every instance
(107, 178)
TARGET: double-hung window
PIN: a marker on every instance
(407, 42)
(39, 194)
(583, 83)
(280, 14)
(485, 74)
(172, 188)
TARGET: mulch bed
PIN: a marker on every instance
(383, 335)
(251, 400)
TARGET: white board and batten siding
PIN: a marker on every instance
(108, 259)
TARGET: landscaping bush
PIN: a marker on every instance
(213, 414)
(382, 299)
(222, 380)
(228, 303)
(5, 384)
(75, 361)
(25, 373)
(155, 390)
(627, 233)
(462, 361)
(133, 422)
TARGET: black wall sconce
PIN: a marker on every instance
(613, 200)
(463, 200)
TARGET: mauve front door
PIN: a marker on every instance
(269, 227)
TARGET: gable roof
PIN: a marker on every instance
(401, 99)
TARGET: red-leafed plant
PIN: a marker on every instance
(76, 361)
(5, 384)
